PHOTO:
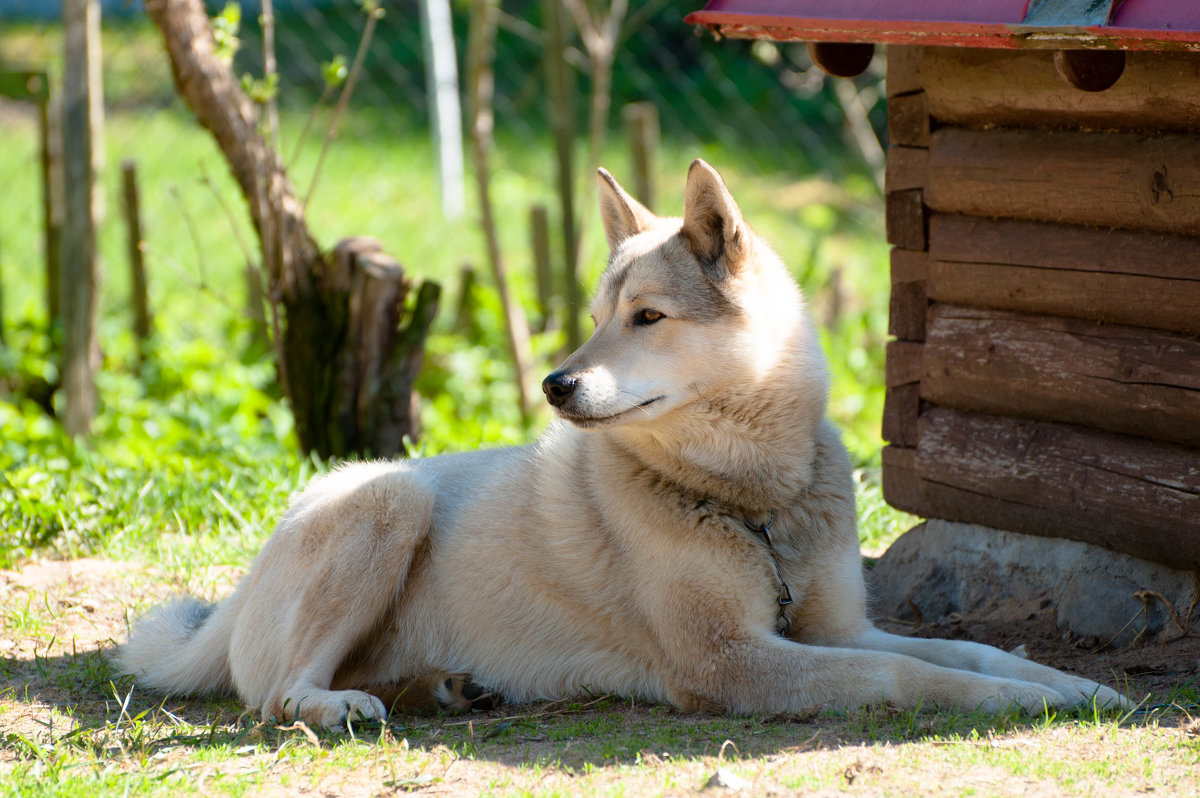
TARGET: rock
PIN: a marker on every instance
(942, 568)
(727, 780)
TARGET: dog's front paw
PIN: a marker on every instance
(1078, 690)
(333, 709)
(998, 695)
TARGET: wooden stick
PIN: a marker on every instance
(137, 263)
(539, 234)
(50, 133)
(559, 94)
(465, 309)
(480, 61)
(642, 120)
(82, 127)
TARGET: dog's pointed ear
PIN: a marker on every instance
(712, 221)
(623, 216)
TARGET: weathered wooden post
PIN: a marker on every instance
(642, 121)
(32, 85)
(558, 93)
(137, 263)
(82, 126)
(50, 129)
(464, 312)
(539, 238)
(481, 58)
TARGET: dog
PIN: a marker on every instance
(684, 532)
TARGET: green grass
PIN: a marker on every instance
(205, 412)
(103, 740)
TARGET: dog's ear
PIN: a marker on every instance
(623, 215)
(712, 221)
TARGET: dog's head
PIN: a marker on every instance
(687, 309)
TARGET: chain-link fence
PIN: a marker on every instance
(754, 107)
(762, 100)
(803, 150)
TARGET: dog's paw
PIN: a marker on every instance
(335, 709)
(1000, 695)
(1079, 691)
(457, 693)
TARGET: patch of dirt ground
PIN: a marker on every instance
(59, 618)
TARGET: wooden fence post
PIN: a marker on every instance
(445, 113)
(82, 126)
(642, 121)
(558, 92)
(464, 313)
(539, 234)
(50, 128)
(137, 263)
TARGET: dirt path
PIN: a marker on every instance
(60, 617)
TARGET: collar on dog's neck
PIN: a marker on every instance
(783, 625)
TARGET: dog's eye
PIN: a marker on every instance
(647, 316)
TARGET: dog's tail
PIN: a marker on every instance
(181, 647)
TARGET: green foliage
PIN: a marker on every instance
(197, 446)
(335, 71)
(261, 90)
(204, 415)
(226, 27)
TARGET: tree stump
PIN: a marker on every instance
(346, 361)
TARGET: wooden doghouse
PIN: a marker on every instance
(1043, 200)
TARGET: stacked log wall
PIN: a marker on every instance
(1044, 375)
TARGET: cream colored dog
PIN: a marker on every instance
(684, 533)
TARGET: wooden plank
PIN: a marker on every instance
(907, 168)
(936, 500)
(901, 411)
(1133, 300)
(908, 120)
(902, 399)
(901, 485)
(1123, 180)
(907, 306)
(978, 88)
(1120, 492)
(1121, 379)
(904, 64)
(971, 239)
(904, 213)
(908, 265)
(907, 303)
(903, 363)
(1137, 278)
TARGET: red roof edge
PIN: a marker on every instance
(1136, 24)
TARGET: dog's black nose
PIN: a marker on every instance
(558, 387)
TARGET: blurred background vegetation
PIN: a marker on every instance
(193, 453)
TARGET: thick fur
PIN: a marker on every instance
(613, 555)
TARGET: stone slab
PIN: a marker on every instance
(941, 569)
